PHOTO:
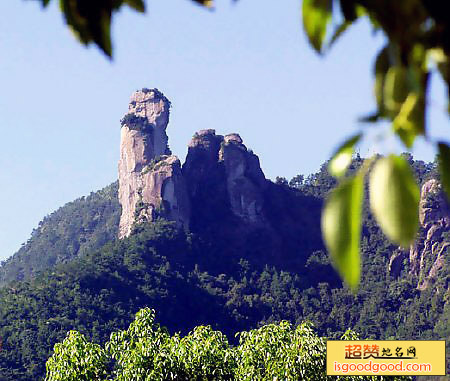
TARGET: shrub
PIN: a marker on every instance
(145, 351)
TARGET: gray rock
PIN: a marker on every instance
(426, 257)
(150, 180)
(245, 179)
(227, 160)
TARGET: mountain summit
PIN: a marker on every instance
(150, 180)
(152, 183)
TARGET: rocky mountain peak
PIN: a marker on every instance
(219, 172)
(149, 103)
(147, 118)
(233, 138)
(204, 142)
(244, 177)
(225, 164)
(433, 206)
(150, 180)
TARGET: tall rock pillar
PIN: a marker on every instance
(150, 180)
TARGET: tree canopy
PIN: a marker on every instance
(145, 351)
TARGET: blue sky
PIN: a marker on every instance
(244, 68)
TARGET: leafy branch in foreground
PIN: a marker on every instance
(394, 200)
(418, 43)
(341, 226)
(90, 20)
(145, 351)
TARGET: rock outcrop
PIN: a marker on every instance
(202, 163)
(245, 179)
(232, 172)
(397, 262)
(428, 255)
(221, 181)
(150, 179)
(163, 192)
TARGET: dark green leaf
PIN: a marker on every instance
(348, 8)
(206, 3)
(341, 228)
(404, 101)
(343, 156)
(338, 32)
(90, 21)
(444, 166)
(406, 136)
(444, 68)
(382, 65)
(316, 16)
(138, 5)
(103, 38)
(394, 199)
(371, 118)
(395, 89)
(410, 120)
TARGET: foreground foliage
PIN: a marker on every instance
(417, 44)
(145, 351)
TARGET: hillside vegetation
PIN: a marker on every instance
(207, 277)
(79, 226)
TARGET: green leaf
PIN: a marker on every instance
(91, 21)
(206, 3)
(103, 37)
(403, 100)
(381, 68)
(443, 65)
(396, 89)
(349, 11)
(394, 199)
(338, 32)
(138, 5)
(341, 228)
(371, 118)
(316, 16)
(343, 156)
(444, 166)
(444, 69)
(410, 120)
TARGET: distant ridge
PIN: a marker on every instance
(81, 225)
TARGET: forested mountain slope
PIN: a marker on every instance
(72, 230)
(221, 275)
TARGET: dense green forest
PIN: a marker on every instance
(208, 276)
(79, 226)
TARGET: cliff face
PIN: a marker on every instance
(225, 167)
(202, 168)
(219, 173)
(245, 179)
(430, 252)
(428, 258)
(150, 181)
(162, 192)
